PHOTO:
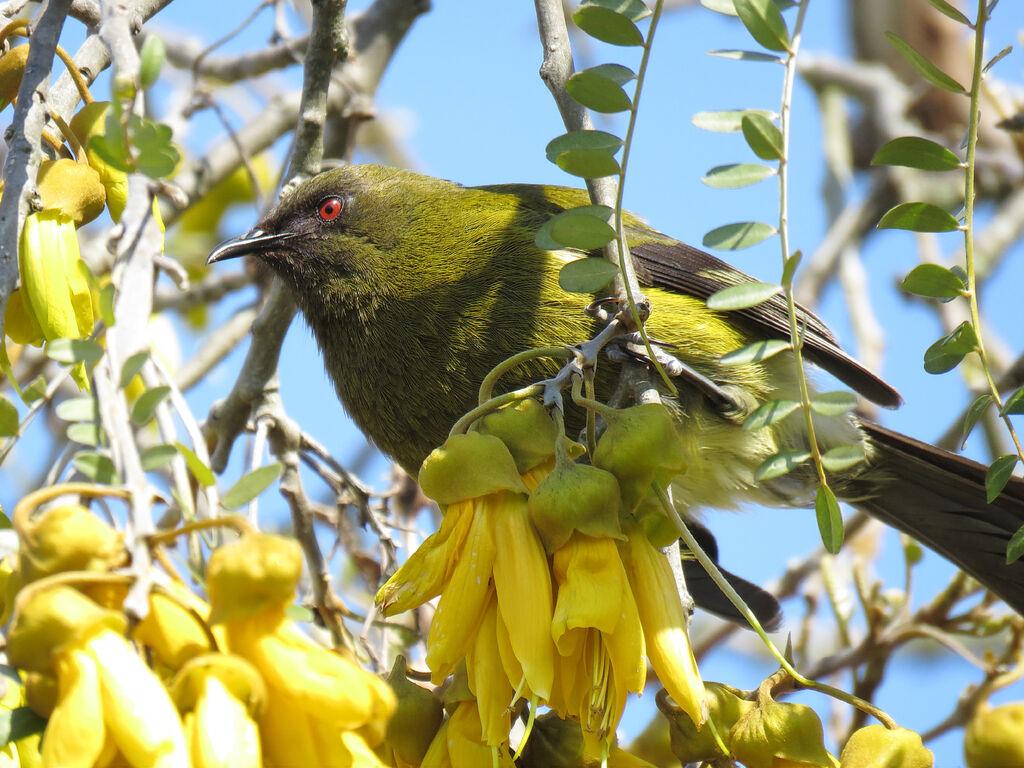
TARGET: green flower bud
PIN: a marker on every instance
(467, 467)
(639, 446)
(876, 746)
(554, 743)
(68, 538)
(774, 734)
(417, 717)
(692, 744)
(575, 497)
(73, 188)
(256, 572)
(995, 736)
(527, 431)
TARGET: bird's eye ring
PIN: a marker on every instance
(329, 208)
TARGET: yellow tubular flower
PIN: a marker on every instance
(488, 679)
(596, 628)
(664, 624)
(75, 731)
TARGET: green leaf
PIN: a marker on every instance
(733, 237)
(830, 520)
(727, 120)
(738, 55)
(86, 433)
(1014, 403)
(915, 152)
(790, 265)
(251, 485)
(1016, 546)
(299, 613)
(755, 353)
(199, 470)
(780, 464)
(924, 67)
(17, 723)
(598, 92)
(763, 136)
(106, 305)
(145, 407)
(997, 58)
(634, 10)
(946, 353)
(601, 140)
(110, 145)
(151, 59)
(764, 22)
(586, 275)
(156, 156)
(933, 281)
(742, 296)
(96, 467)
(8, 418)
(998, 475)
(585, 228)
(834, 403)
(132, 366)
(918, 217)
(948, 10)
(737, 175)
(974, 412)
(157, 456)
(724, 7)
(842, 457)
(35, 390)
(607, 25)
(78, 409)
(589, 154)
(70, 351)
(770, 412)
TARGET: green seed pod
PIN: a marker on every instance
(527, 431)
(72, 188)
(417, 717)
(639, 446)
(468, 466)
(995, 736)
(68, 538)
(554, 743)
(89, 121)
(691, 744)
(12, 67)
(575, 497)
(876, 745)
(779, 733)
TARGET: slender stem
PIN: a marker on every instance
(463, 424)
(487, 385)
(969, 197)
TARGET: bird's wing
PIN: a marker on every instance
(679, 267)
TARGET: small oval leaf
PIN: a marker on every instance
(1014, 403)
(948, 10)
(830, 520)
(742, 296)
(726, 120)
(586, 275)
(607, 25)
(924, 67)
(733, 237)
(70, 351)
(145, 407)
(834, 403)
(974, 412)
(96, 467)
(1015, 548)
(85, 433)
(602, 140)
(78, 409)
(737, 175)
(764, 22)
(132, 366)
(585, 228)
(916, 152)
(918, 217)
(998, 475)
(634, 10)
(8, 418)
(933, 281)
(251, 485)
(762, 136)
(780, 464)
(588, 163)
(770, 412)
(755, 353)
(157, 457)
(738, 55)
(199, 470)
(842, 457)
(598, 92)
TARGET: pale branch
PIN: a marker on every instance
(218, 346)
(184, 54)
(24, 151)
(211, 288)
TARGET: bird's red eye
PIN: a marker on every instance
(329, 209)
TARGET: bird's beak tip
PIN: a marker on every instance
(252, 242)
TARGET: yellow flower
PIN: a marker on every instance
(460, 743)
(106, 693)
(993, 736)
(323, 708)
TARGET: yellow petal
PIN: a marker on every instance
(487, 680)
(424, 574)
(664, 626)
(286, 736)
(359, 753)
(136, 708)
(75, 731)
(19, 323)
(465, 745)
(223, 735)
(172, 632)
(42, 261)
(462, 602)
(590, 582)
(522, 582)
(437, 755)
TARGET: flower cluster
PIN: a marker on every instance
(234, 682)
(550, 591)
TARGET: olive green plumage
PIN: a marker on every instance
(416, 287)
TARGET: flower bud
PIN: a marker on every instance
(639, 446)
(20, 324)
(995, 736)
(575, 497)
(527, 431)
(88, 122)
(256, 572)
(554, 743)
(72, 188)
(468, 466)
(417, 716)
(174, 633)
(876, 745)
(12, 67)
(774, 734)
(68, 538)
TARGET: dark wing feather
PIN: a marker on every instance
(679, 267)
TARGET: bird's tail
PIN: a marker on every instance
(939, 498)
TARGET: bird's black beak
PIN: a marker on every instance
(254, 241)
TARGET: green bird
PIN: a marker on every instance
(415, 288)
